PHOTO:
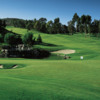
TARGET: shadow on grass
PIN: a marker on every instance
(49, 44)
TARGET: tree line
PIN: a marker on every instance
(83, 24)
(11, 38)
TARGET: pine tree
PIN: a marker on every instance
(39, 39)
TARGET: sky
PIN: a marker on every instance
(50, 9)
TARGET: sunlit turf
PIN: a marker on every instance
(50, 80)
(88, 47)
(54, 78)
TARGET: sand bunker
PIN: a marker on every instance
(15, 66)
(1, 66)
(64, 51)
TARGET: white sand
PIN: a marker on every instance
(15, 66)
(64, 51)
(1, 66)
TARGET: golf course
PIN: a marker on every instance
(54, 78)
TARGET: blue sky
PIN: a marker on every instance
(50, 9)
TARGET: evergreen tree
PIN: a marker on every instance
(49, 26)
(39, 39)
(28, 39)
(71, 28)
(76, 21)
(56, 26)
(99, 26)
(37, 25)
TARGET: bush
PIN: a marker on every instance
(12, 39)
(36, 53)
(28, 39)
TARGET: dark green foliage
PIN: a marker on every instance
(95, 28)
(15, 22)
(99, 26)
(29, 25)
(64, 29)
(81, 24)
(37, 25)
(28, 39)
(57, 26)
(39, 39)
(49, 27)
(40, 24)
(75, 17)
(2, 27)
(1, 38)
(71, 27)
(11, 39)
(35, 53)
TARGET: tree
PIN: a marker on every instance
(76, 20)
(99, 26)
(37, 25)
(83, 22)
(39, 39)
(64, 29)
(28, 39)
(78, 25)
(49, 26)
(56, 26)
(29, 25)
(81, 28)
(83, 19)
(86, 22)
(71, 27)
(95, 28)
(88, 19)
(2, 27)
(4, 23)
(42, 22)
(10, 39)
(1, 38)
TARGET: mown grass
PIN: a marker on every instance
(54, 78)
(51, 80)
(88, 47)
(10, 66)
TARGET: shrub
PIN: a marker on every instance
(28, 39)
(12, 39)
(36, 53)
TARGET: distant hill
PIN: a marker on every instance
(15, 22)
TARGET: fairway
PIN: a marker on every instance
(52, 79)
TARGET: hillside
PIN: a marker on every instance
(53, 78)
(87, 47)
